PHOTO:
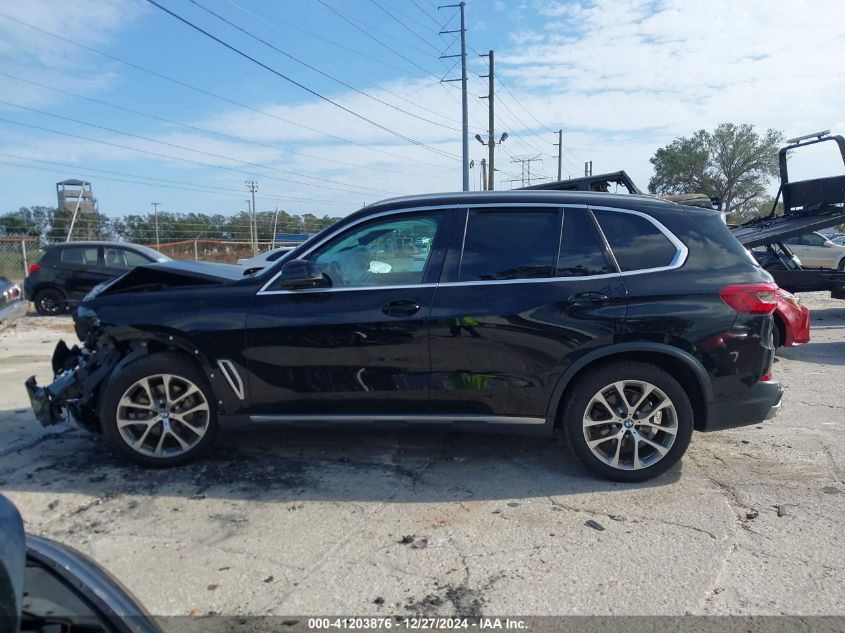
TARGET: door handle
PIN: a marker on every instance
(588, 299)
(401, 308)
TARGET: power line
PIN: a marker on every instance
(384, 33)
(343, 17)
(317, 70)
(201, 129)
(257, 16)
(214, 95)
(203, 152)
(303, 86)
(431, 17)
(83, 170)
(177, 158)
(406, 27)
(312, 34)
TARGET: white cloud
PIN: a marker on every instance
(27, 51)
(652, 70)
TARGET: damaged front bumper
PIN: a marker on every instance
(73, 393)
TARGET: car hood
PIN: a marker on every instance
(172, 274)
(764, 231)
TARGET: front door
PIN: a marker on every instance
(522, 290)
(360, 345)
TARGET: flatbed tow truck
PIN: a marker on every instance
(808, 205)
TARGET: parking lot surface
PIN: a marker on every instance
(321, 521)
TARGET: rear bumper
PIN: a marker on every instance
(760, 402)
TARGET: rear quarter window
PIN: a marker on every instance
(635, 241)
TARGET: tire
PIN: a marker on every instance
(178, 432)
(585, 416)
(50, 302)
(778, 338)
(841, 268)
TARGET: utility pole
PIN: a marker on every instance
(588, 168)
(559, 154)
(250, 218)
(463, 80)
(484, 174)
(275, 224)
(156, 205)
(491, 131)
(491, 144)
(252, 185)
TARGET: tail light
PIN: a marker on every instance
(751, 298)
(767, 377)
(33, 268)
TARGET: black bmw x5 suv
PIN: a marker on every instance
(626, 321)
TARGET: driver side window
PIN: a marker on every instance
(384, 252)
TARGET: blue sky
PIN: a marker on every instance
(620, 77)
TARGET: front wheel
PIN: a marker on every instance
(159, 411)
(628, 421)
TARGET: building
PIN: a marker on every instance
(75, 193)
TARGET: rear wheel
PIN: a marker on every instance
(159, 411)
(628, 421)
(50, 302)
(841, 268)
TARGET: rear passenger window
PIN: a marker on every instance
(80, 256)
(636, 243)
(582, 251)
(510, 244)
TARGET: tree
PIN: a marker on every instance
(732, 162)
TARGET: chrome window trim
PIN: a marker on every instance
(414, 419)
(681, 250)
(680, 258)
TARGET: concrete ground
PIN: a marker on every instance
(328, 522)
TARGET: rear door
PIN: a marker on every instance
(524, 290)
(82, 269)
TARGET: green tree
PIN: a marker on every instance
(733, 162)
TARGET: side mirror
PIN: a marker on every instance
(300, 273)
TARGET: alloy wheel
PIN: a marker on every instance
(630, 424)
(49, 303)
(163, 415)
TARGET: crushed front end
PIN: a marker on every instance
(77, 376)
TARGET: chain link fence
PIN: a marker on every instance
(224, 251)
(16, 254)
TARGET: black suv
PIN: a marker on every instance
(624, 320)
(67, 272)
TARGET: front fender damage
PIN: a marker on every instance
(78, 375)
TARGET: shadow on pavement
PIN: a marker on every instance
(284, 465)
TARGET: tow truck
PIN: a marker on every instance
(808, 205)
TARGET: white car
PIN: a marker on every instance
(816, 251)
(262, 260)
